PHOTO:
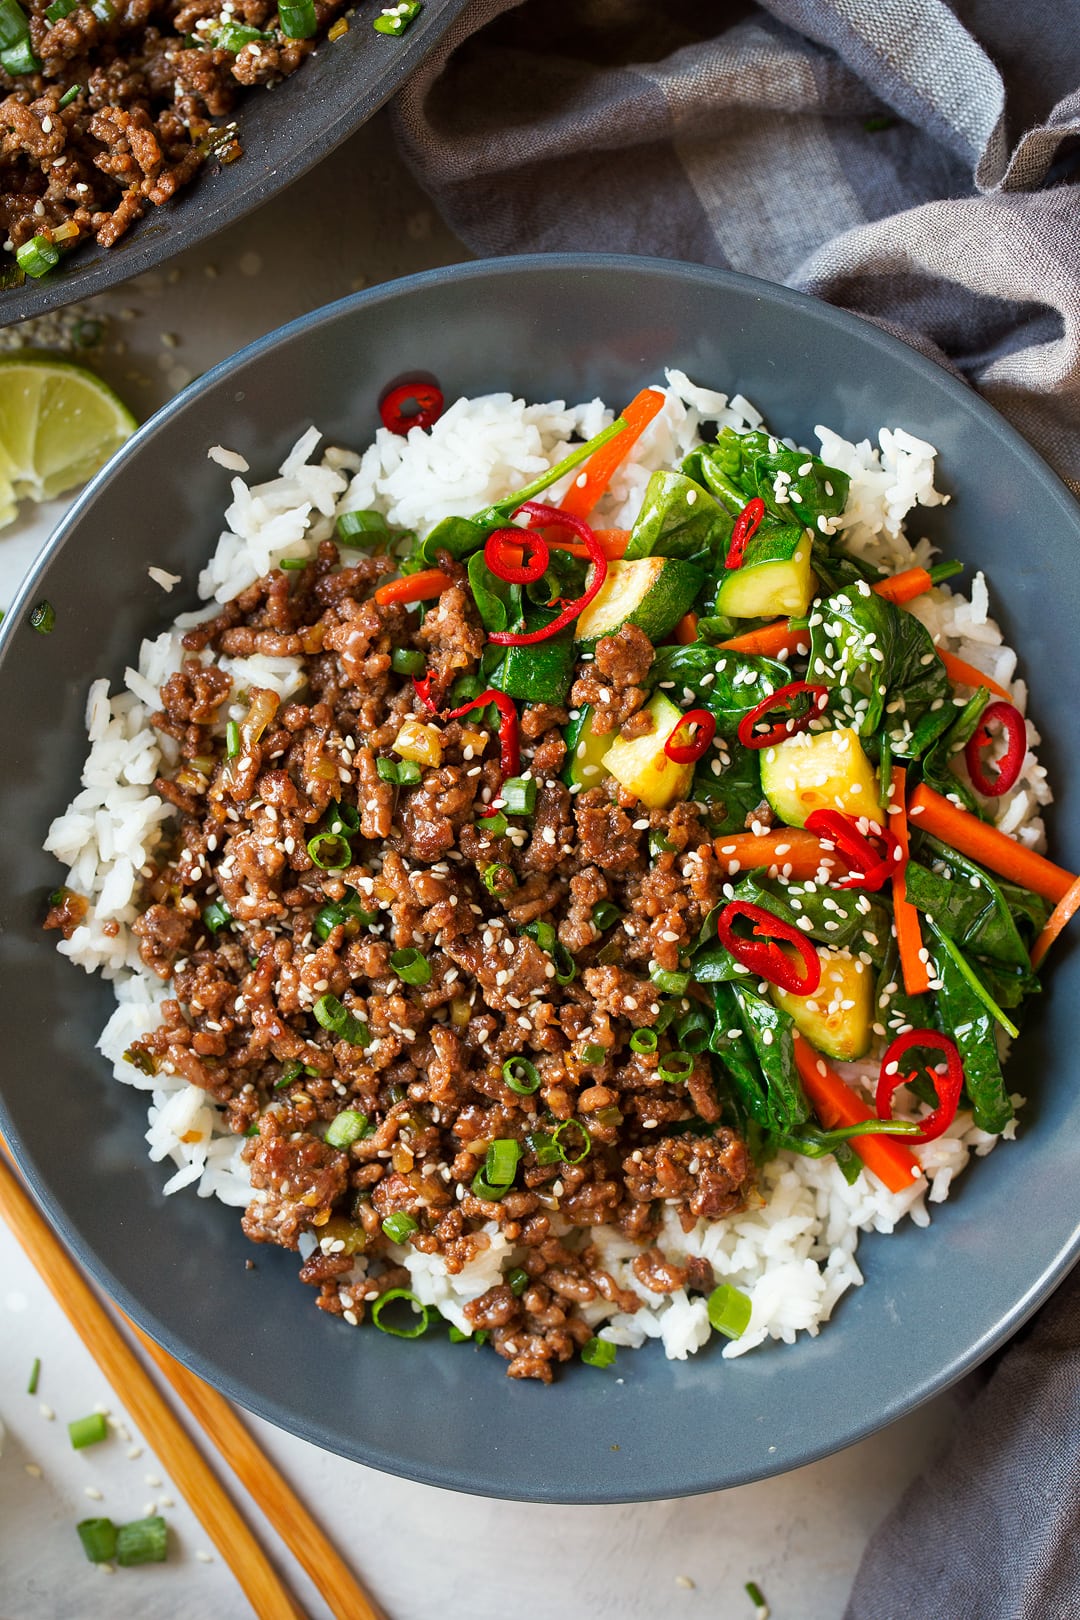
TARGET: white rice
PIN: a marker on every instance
(794, 1254)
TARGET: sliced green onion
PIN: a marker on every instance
(398, 18)
(609, 1117)
(292, 565)
(565, 966)
(103, 10)
(330, 851)
(391, 1296)
(68, 97)
(88, 1431)
(343, 818)
(98, 1537)
(43, 617)
(35, 1374)
(672, 984)
(643, 1040)
(411, 966)
(457, 1337)
(233, 36)
(542, 932)
(399, 1226)
(481, 1336)
(693, 1031)
(406, 661)
(386, 770)
(544, 1147)
(517, 1280)
(598, 1353)
(482, 1188)
(346, 1128)
(466, 687)
(216, 916)
(337, 1018)
(557, 1135)
(591, 1053)
(676, 1067)
(60, 9)
(500, 1166)
(297, 19)
(365, 528)
(659, 843)
(20, 58)
(145, 1541)
(522, 1077)
(493, 826)
(518, 794)
(232, 740)
(604, 913)
(354, 907)
(327, 918)
(498, 879)
(408, 772)
(290, 1071)
(14, 23)
(729, 1311)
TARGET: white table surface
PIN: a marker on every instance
(422, 1551)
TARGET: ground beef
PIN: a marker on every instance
(291, 1010)
(151, 77)
(613, 683)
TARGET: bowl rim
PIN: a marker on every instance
(445, 1474)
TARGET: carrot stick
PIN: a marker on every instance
(1066, 908)
(790, 847)
(770, 641)
(904, 587)
(596, 475)
(414, 587)
(836, 1105)
(989, 847)
(913, 957)
(967, 675)
(686, 630)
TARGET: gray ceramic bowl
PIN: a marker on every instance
(935, 1302)
(284, 135)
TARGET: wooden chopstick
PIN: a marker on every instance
(284, 1509)
(168, 1438)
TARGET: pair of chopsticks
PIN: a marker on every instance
(171, 1442)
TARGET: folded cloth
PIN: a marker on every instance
(915, 162)
(911, 160)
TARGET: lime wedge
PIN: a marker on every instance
(58, 424)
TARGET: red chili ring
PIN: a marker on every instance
(1012, 761)
(781, 699)
(948, 1086)
(526, 572)
(541, 516)
(690, 752)
(746, 526)
(426, 399)
(767, 960)
(869, 869)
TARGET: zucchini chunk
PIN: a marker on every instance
(772, 587)
(819, 770)
(641, 764)
(585, 752)
(836, 1018)
(651, 592)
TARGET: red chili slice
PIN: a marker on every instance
(746, 526)
(781, 699)
(1012, 761)
(948, 1085)
(422, 686)
(509, 750)
(542, 517)
(409, 405)
(689, 753)
(504, 565)
(870, 868)
(767, 960)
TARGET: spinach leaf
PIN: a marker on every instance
(458, 535)
(967, 904)
(935, 766)
(678, 518)
(962, 1016)
(732, 1046)
(796, 481)
(896, 1010)
(728, 684)
(771, 1032)
(843, 919)
(837, 570)
(734, 794)
(498, 602)
(882, 662)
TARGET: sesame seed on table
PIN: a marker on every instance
(798, 1536)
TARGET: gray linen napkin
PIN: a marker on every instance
(750, 137)
(916, 162)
